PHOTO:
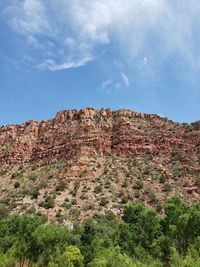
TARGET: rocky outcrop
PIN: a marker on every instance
(94, 132)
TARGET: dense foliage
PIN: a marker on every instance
(142, 238)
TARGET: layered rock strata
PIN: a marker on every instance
(94, 132)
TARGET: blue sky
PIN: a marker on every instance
(68, 54)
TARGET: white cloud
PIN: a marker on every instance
(106, 84)
(29, 16)
(143, 63)
(51, 65)
(125, 79)
(77, 29)
(70, 42)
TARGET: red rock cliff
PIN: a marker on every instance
(89, 132)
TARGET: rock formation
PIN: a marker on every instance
(94, 132)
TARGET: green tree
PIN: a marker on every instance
(132, 213)
(173, 209)
(182, 224)
(144, 225)
(111, 257)
(47, 239)
(71, 257)
(20, 230)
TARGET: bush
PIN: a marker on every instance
(137, 193)
(125, 183)
(15, 175)
(74, 212)
(176, 170)
(110, 216)
(167, 187)
(61, 186)
(152, 197)
(32, 177)
(162, 179)
(73, 201)
(104, 201)
(176, 155)
(75, 189)
(16, 185)
(98, 189)
(124, 199)
(88, 207)
(34, 193)
(138, 184)
(48, 203)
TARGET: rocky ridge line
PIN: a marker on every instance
(94, 132)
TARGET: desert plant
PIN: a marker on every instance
(167, 187)
(103, 201)
(61, 186)
(16, 185)
(138, 184)
(98, 189)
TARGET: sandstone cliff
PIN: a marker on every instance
(93, 132)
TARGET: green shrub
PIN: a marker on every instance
(83, 196)
(75, 189)
(107, 184)
(138, 184)
(15, 175)
(34, 193)
(74, 212)
(152, 196)
(98, 189)
(16, 185)
(137, 193)
(167, 187)
(162, 179)
(124, 199)
(125, 183)
(110, 216)
(73, 201)
(48, 203)
(103, 201)
(61, 186)
(88, 207)
(176, 170)
(32, 177)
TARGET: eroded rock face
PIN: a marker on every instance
(94, 132)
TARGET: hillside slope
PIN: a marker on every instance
(86, 161)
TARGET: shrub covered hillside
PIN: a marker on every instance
(141, 238)
(94, 160)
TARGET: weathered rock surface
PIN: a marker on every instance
(94, 132)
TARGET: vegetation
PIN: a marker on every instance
(106, 183)
(142, 238)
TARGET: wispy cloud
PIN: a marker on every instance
(51, 65)
(125, 79)
(106, 84)
(28, 16)
(143, 63)
(72, 31)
